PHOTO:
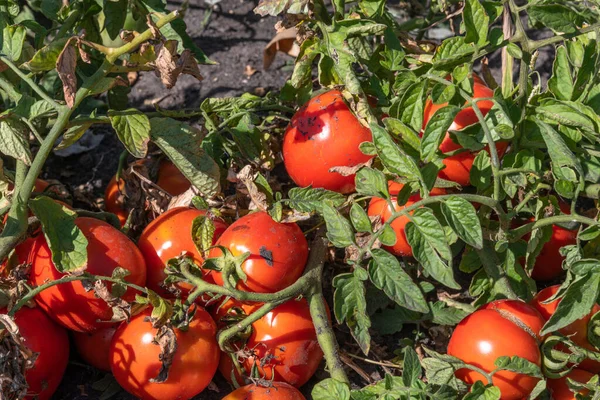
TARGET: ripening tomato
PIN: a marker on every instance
(134, 358)
(69, 303)
(275, 391)
(380, 207)
(169, 236)
(559, 388)
(577, 331)
(499, 329)
(548, 264)
(283, 343)
(323, 134)
(43, 336)
(113, 201)
(94, 347)
(458, 167)
(278, 252)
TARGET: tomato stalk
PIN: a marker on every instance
(557, 363)
(507, 59)
(521, 231)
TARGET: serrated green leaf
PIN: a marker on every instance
(73, 134)
(330, 389)
(13, 38)
(371, 182)
(13, 139)
(339, 230)
(476, 22)
(519, 365)
(462, 218)
(411, 367)
(564, 162)
(115, 14)
(413, 104)
(388, 275)
(133, 130)
(311, 200)
(452, 52)
(557, 17)
(66, 241)
(445, 315)
(360, 219)
(392, 156)
(203, 230)
(436, 130)
(350, 305)
(441, 93)
(561, 82)
(479, 391)
(481, 172)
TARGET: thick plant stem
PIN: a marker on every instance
(507, 59)
(16, 223)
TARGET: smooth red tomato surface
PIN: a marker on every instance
(134, 358)
(380, 207)
(278, 252)
(520, 313)
(113, 201)
(577, 331)
(458, 167)
(560, 388)
(171, 179)
(285, 340)
(94, 347)
(51, 341)
(167, 237)
(277, 391)
(323, 134)
(69, 303)
(487, 334)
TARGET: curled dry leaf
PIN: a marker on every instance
(347, 171)
(13, 284)
(246, 176)
(249, 70)
(285, 42)
(16, 360)
(167, 340)
(121, 309)
(184, 199)
(128, 36)
(169, 65)
(153, 28)
(65, 65)
(82, 53)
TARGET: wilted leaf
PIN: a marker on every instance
(276, 7)
(13, 139)
(285, 42)
(65, 65)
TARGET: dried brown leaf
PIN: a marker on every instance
(347, 171)
(285, 42)
(153, 28)
(246, 176)
(121, 309)
(82, 53)
(167, 340)
(65, 65)
(128, 36)
(249, 70)
(16, 358)
(169, 65)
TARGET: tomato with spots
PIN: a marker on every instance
(275, 391)
(70, 303)
(278, 252)
(323, 134)
(169, 236)
(93, 347)
(458, 166)
(577, 331)
(508, 328)
(134, 358)
(559, 388)
(380, 207)
(283, 343)
(43, 336)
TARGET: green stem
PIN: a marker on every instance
(10, 90)
(67, 25)
(539, 187)
(225, 336)
(536, 44)
(487, 376)
(16, 223)
(31, 83)
(557, 219)
(507, 59)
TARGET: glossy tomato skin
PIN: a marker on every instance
(577, 331)
(113, 201)
(278, 252)
(548, 264)
(487, 334)
(277, 391)
(69, 303)
(458, 167)
(285, 339)
(323, 134)
(51, 341)
(167, 237)
(379, 207)
(519, 312)
(94, 347)
(134, 358)
(171, 179)
(560, 388)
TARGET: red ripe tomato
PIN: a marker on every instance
(458, 167)
(276, 391)
(498, 330)
(278, 252)
(548, 264)
(169, 236)
(380, 207)
(94, 347)
(560, 388)
(43, 336)
(577, 331)
(323, 134)
(113, 201)
(134, 358)
(283, 343)
(69, 303)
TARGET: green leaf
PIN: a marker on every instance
(330, 389)
(564, 113)
(392, 156)
(462, 218)
(441, 93)
(564, 162)
(518, 365)
(66, 241)
(481, 172)
(350, 305)
(371, 182)
(452, 52)
(13, 38)
(115, 14)
(276, 7)
(561, 82)
(412, 105)
(360, 219)
(557, 17)
(411, 367)
(388, 275)
(182, 144)
(479, 391)
(133, 130)
(445, 315)
(45, 58)
(311, 200)
(441, 372)
(73, 134)
(388, 236)
(429, 244)
(580, 297)
(339, 230)
(203, 231)
(436, 130)
(13, 139)
(476, 22)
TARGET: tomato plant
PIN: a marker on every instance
(278, 390)
(560, 388)
(135, 363)
(94, 347)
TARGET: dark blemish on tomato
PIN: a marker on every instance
(273, 230)
(318, 100)
(267, 255)
(240, 228)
